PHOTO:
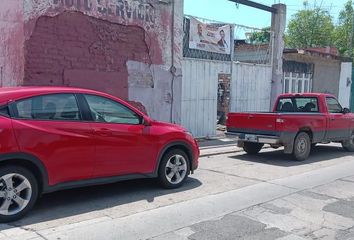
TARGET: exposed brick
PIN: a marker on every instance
(78, 50)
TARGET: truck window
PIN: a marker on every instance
(285, 105)
(298, 104)
(306, 104)
(333, 105)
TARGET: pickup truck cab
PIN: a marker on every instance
(298, 122)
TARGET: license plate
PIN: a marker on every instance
(251, 137)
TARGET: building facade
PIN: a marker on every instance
(317, 70)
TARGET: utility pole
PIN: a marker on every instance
(278, 28)
(351, 38)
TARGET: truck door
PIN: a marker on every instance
(338, 122)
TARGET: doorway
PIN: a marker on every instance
(223, 97)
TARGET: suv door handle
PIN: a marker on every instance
(333, 119)
(104, 132)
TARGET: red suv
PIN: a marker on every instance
(54, 138)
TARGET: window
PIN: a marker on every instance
(306, 104)
(4, 111)
(293, 86)
(106, 110)
(298, 104)
(49, 107)
(306, 86)
(297, 82)
(286, 90)
(333, 105)
(299, 86)
(285, 105)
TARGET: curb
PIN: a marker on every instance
(219, 153)
(218, 150)
(226, 152)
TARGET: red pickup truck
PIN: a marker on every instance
(298, 122)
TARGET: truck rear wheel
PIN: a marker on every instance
(302, 146)
(252, 148)
(348, 145)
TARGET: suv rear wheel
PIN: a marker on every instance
(174, 169)
(18, 192)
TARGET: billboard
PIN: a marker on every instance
(209, 37)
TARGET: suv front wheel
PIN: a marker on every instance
(174, 169)
(18, 192)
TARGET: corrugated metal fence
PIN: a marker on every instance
(250, 87)
(250, 91)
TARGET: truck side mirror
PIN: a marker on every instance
(346, 110)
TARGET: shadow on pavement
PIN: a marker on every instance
(72, 202)
(278, 158)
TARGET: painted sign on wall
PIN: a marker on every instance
(130, 10)
(209, 37)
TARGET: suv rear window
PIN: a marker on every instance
(49, 107)
(4, 111)
(298, 104)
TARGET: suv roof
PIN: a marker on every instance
(14, 93)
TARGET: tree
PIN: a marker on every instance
(343, 35)
(310, 28)
(260, 37)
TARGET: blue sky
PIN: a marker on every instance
(226, 11)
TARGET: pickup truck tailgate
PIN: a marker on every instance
(255, 123)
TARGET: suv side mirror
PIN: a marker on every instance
(346, 110)
(145, 121)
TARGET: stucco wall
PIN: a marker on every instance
(125, 48)
(11, 42)
(345, 84)
(326, 77)
(326, 72)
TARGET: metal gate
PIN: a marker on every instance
(250, 87)
(250, 91)
(199, 95)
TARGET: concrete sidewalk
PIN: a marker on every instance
(223, 145)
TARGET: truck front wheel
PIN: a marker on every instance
(252, 148)
(348, 145)
(302, 146)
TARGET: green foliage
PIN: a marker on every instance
(344, 29)
(260, 37)
(313, 27)
(310, 28)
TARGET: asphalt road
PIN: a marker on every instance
(230, 196)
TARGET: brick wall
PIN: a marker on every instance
(74, 49)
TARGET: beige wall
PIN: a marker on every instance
(326, 72)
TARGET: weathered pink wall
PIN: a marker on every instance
(73, 49)
(11, 42)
